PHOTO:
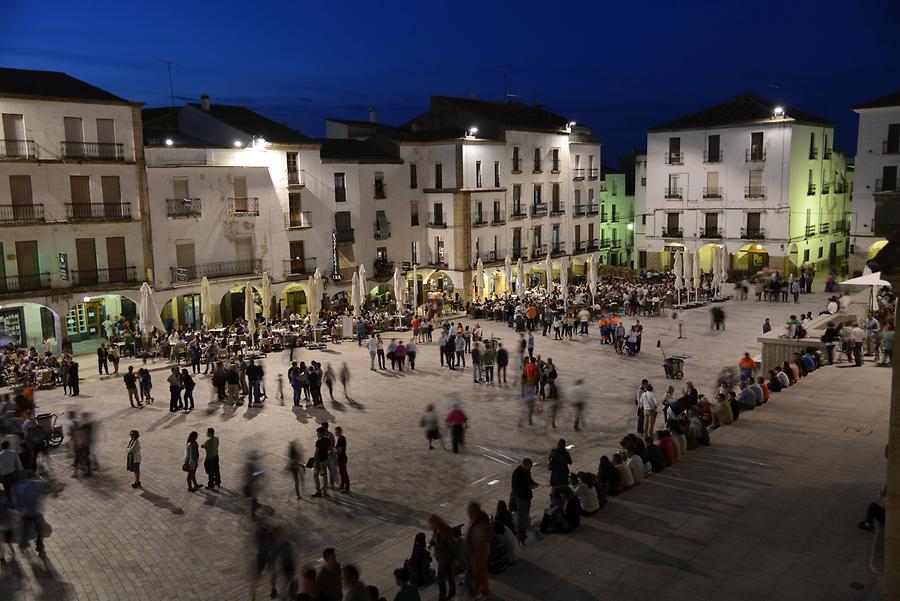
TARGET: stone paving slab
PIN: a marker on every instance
(768, 511)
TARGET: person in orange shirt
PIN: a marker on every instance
(747, 365)
(531, 314)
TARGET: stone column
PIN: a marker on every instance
(892, 501)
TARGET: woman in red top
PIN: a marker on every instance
(765, 388)
(456, 421)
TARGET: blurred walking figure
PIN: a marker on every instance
(187, 382)
(457, 422)
(328, 378)
(29, 496)
(340, 446)
(133, 460)
(577, 394)
(253, 475)
(296, 466)
(345, 379)
(273, 551)
(320, 465)
(191, 460)
(429, 422)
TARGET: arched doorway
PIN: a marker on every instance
(183, 311)
(667, 255)
(231, 307)
(27, 325)
(294, 300)
(751, 258)
(792, 261)
(440, 281)
(94, 316)
(706, 253)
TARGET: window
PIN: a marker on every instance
(478, 181)
(74, 132)
(812, 145)
(821, 250)
(536, 238)
(642, 259)
(613, 215)
(293, 169)
(555, 159)
(413, 177)
(414, 212)
(810, 187)
(298, 253)
(674, 156)
(806, 255)
(756, 152)
(644, 181)
(754, 220)
(713, 149)
(711, 223)
(892, 144)
(554, 196)
(515, 160)
(496, 174)
(577, 198)
(614, 190)
(340, 191)
(590, 195)
(537, 194)
(517, 199)
(438, 217)
(591, 163)
(380, 191)
(537, 160)
(644, 219)
(382, 227)
(672, 221)
(438, 175)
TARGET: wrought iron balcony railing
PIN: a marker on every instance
(219, 269)
(299, 267)
(754, 191)
(20, 214)
(298, 220)
(672, 232)
(98, 211)
(755, 154)
(244, 207)
(712, 192)
(109, 275)
(24, 282)
(180, 208)
(101, 151)
(753, 234)
(18, 150)
(712, 156)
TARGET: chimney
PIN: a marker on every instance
(373, 115)
(204, 102)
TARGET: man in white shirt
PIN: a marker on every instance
(832, 306)
(372, 345)
(650, 406)
(857, 337)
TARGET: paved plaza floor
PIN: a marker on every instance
(769, 511)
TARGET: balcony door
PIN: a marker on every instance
(243, 252)
(517, 241)
(712, 184)
(590, 238)
(892, 144)
(80, 188)
(889, 177)
(535, 240)
(14, 134)
(756, 145)
(106, 139)
(112, 196)
(28, 265)
(298, 256)
(185, 258)
(711, 224)
(577, 237)
(753, 223)
(295, 208)
(713, 149)
(86, 255)
(181, 188)
(241, 204)
(756, 179)
(672, 222)
(74, 132)
(21, 196)
(115, 259)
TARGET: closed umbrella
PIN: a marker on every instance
(363, 287)
(676, 269)
(520, 278)
(314, 303)
(415, 290)
(149, 314)
(723, 265)
(715, 270)
(249, 305)
(695, 276)
(686, 273)
(592, 276)
(479, 279)
(205, 303)
(548, 269)
(564, 280)
(507, 273)
(354, 294)
(266, 293)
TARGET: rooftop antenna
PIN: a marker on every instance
(169, 65)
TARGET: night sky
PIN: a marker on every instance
(618, 67)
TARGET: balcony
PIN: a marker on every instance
(299, 267)
(674, 158)
(520, 253)
(437, 220)
(578, 174)
(298, 220)
(220, 269)
(711, 232)
(890, 146)
(437, 260)
(754, 191)
(593, 244)
(753, 234)
(111, 275)
(490, 257)
(384, 269)
(615, 243)
(712, 192)
(593, 208)
(674, 193)
(98, 211)
(827, 154)
(603, 186)
(580, 210)
(479, 220)
(672, 232)
(182, 208)
(810, 230)
(344, 235)
(604, 244)
(604, 218)
(94, 151)
(24, 283)
(517, 213)
(712, 156)
(539, 250)
(826, 188)
(557, 208)
(243, 207)
(18, 150)
(294, 177)
(558, 248)
(21, 214)
(755, 154)
(539, 209)
(382, 230)
(813, 154)
(380, 190)
(824, 228)
(840, 188)
(811, 190)
(842, 226)
(614, 218)
(498, 217)
(593, 173)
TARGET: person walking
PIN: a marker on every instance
(296, 466)
(211, 462)
(478, 545)
(411, 353)
(445, 545)
(113, 355)
(146, 383)
(133, 457)
(254, 376)
(523, 486)
(328, 378)
(196, 355)
(191, 460)
(187, 383)
(232, 384)
(320, 465)
(457, 422)
(344, 377)
(131, 386)
(174, 381)
(577, 394)
(340, 446)
(558, 464)
(102, 359)
(429, 423)
(502, 363)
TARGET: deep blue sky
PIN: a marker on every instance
(619, 67)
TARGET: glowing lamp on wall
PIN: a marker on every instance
(238, 144)
(169, 141)
(630, 226)
(759, 247)
(470, 133)
(779, 111)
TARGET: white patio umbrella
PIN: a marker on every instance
(548, 269)
(205, 303)
(398, 290)
(695, 276)
(363, 287)
(715, 270)
(266, 293)
(564, 280)
(479, 279)
(149, 315)
(592, 276)
(686, 273)
(354, 294)
(520, 278)
(249, 306)
(507, 273)
(723, 265)
(314, 304)
(676, 269)
(415, 291)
